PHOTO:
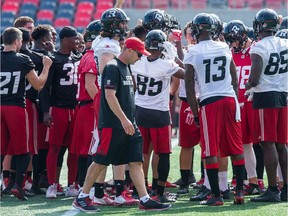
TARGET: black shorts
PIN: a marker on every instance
(116, 147)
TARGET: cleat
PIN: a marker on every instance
(225, 194)
(261, 185)
(233, 184)
(104, 201)
(8, 188)
(5, 183)
(164, 199)
(20, 193)
(183, 189)
(60, 190)
(239, 197)
(37, 190)
(268, 196)
(51, 192)
(71, 191)
(199, 183)
(111, 190)
(85, 204)
(178, 182)
(153, 193)
(169, 194)
(125, 200)
(283, 194)
(192, 179)
(28, 184)
(251, 189)
(213, 201)
(202, 194)
(170, 185)
(152, 205)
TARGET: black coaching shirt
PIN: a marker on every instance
(61, 86)
(116, 76)
(14, 68)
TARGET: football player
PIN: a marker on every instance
(210, 63)
(268, 80)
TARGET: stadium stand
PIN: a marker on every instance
(55, 10)
(61, 22)
(48, 5)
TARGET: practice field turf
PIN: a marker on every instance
(40, 206)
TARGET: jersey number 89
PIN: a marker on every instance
(273, 63)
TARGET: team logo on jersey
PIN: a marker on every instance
(108, 82)
(128, 81)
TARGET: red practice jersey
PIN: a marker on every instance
(87, 65)
(243, 66)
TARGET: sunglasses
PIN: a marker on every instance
(138, 54)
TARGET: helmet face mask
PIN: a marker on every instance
(115, 21)
(218, 26)
(236, 31)
(202, 23)
(155, 39)
(284, 23)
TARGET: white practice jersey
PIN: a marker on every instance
(105, 45)
(182, 90)
(211, 62)
(274, 76)
(102, 45)
(153, 82)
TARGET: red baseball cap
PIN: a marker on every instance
(137, 45)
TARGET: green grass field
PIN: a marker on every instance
(39, 205)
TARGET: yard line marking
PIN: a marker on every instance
(71, 212)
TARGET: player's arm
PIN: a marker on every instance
(36, 81)
(90, 85)
(179, 62)
(180, 74)
(233, 73)
(119, 3)
(104, 58)
(114, 105)
(190, 89)
(256, 69)
(44, 98)
(174, 86)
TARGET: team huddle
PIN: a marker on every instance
(105, 97)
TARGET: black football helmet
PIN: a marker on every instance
(250, 33)
(92, 30)
(283, 33)
(174, 24)
(218, 26)
(156, 19)
(202, 22)
(111, 20)
(155, 39)
(266, 20)
(284, 23)
(235, 30)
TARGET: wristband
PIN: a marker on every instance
(171, 97)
